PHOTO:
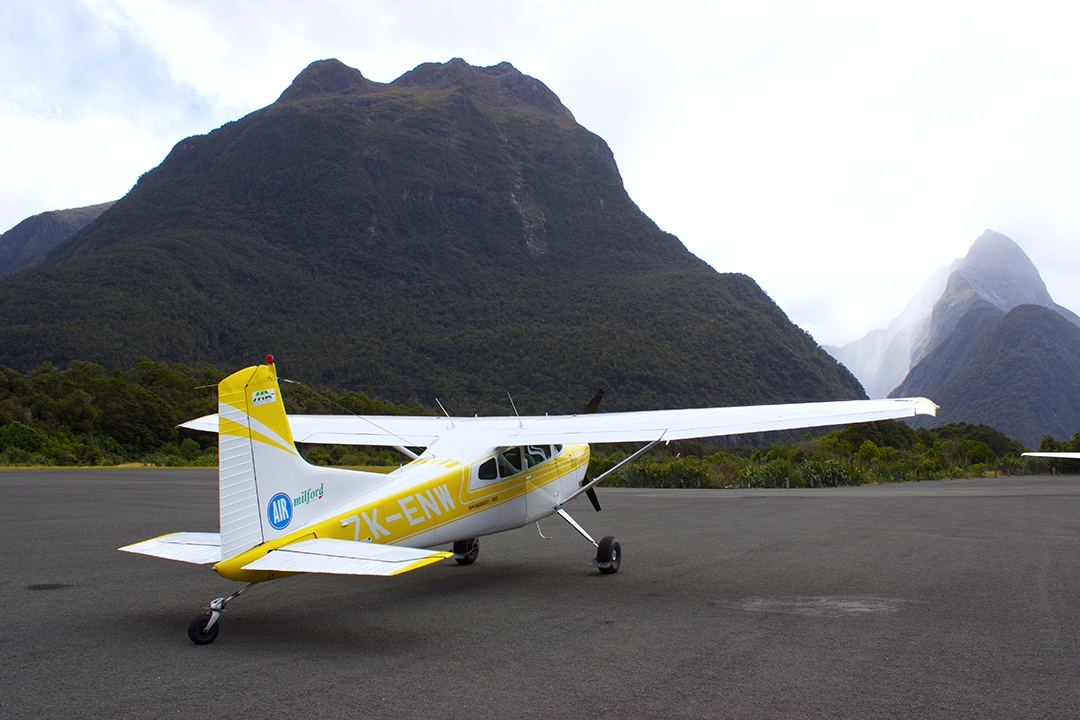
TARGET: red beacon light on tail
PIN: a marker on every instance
(269, 359)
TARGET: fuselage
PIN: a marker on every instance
(432, 501)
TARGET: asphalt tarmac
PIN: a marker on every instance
(952, 599)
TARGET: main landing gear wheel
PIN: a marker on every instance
(608, 555)
(199, 633)
(466, 551)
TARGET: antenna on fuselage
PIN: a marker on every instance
(520, 424)
(445, 413)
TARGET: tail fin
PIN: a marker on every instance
(266, 488)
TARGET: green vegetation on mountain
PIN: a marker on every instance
(454, 234)
(1019, 372)
(28, 243)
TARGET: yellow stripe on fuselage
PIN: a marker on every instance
(394, 519)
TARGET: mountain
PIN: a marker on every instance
(995, 271)
(452, 234)
(1017, 371)
(27, 244)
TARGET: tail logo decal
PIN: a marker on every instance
(263, 396)
(280, 511)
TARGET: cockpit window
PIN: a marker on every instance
(513, 460)
(510, 462)
(536, 454)
(487, 471)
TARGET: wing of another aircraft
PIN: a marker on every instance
(645, 426)
(1055, 455)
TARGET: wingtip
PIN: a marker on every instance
(924, 406)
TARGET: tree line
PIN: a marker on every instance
(885, 451)
(84, 415)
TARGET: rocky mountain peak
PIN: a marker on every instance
(327, 77)
(500, 85)
(998, 271)
(995, 271)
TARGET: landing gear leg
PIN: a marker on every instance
(204, 629)
(608, 550)
(466, 551)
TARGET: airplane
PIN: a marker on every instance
(475, 476)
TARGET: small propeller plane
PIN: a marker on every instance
(475, 476)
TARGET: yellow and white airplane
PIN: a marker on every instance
(475, 476)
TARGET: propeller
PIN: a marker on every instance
(591, 408)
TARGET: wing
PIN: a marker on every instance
(346, 557)
(1057, 455)
(711, 422)
(380, 430)
(643, 426)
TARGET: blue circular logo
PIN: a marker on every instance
(279, 511)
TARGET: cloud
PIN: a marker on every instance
(836, 152)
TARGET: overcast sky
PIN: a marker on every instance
(836, 153)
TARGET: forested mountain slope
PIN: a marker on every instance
(28, 243)
(453, 234)
(1018, 372)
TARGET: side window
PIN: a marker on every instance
(536, 454)
(510, 462)
(558, 449)
(487, 470)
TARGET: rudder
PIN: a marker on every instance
(255, 452)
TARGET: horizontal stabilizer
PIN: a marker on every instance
(346, 557)
(201, 548)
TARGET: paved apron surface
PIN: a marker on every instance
(953, 599)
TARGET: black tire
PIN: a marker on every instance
(608, 555)
(466, 551)
(196, 630)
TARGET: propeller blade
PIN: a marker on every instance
(591, 494)
(591, 408)
(594, 403)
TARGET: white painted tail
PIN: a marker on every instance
(266, 489)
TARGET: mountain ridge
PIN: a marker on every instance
(995, 270)
(28, 243)
(412, 240)
(1017, 371)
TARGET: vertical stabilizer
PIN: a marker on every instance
(260, 471)
(266, 489)
(238, 495)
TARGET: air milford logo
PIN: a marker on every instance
(310, 495)
(279, 512)
(260, 397)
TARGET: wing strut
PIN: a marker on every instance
(573, 523)
(600, 478)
